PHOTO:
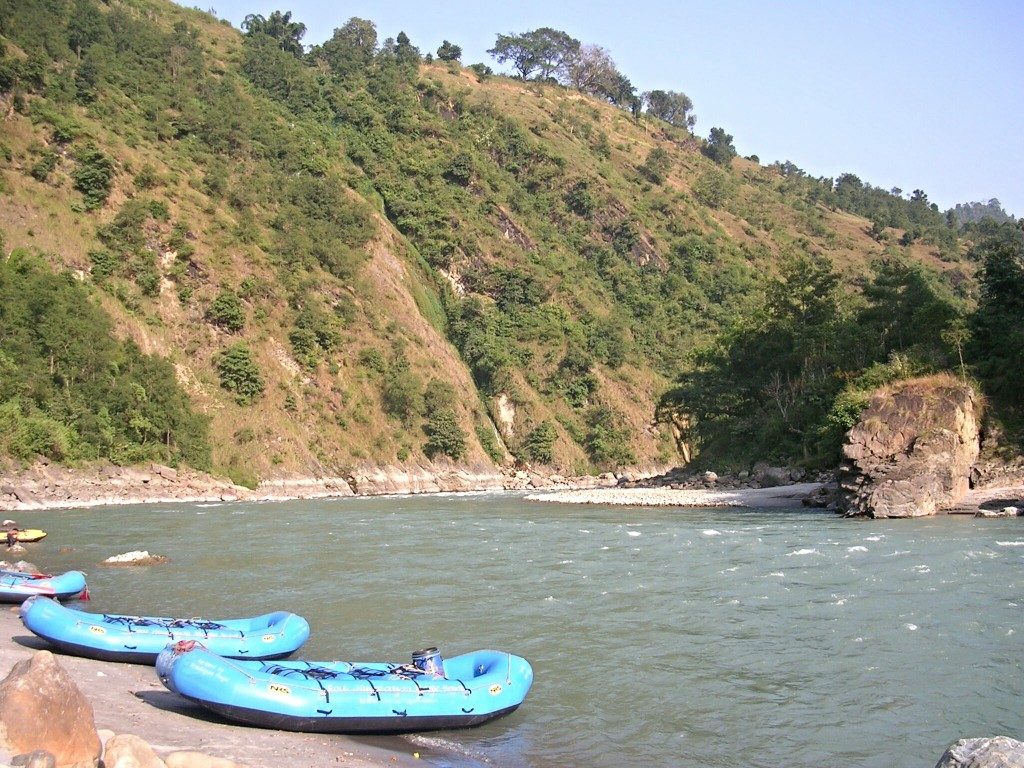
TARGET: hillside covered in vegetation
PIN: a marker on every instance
(226, 249)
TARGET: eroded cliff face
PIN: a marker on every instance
(912, 451)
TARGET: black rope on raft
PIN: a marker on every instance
(205, 626)
(131, 622)
(313, 673)
(318, 675)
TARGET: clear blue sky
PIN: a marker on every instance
(908, 94)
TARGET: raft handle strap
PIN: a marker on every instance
(374, 687)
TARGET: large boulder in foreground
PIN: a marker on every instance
(41, 708)
(997, 752)
(912, 451)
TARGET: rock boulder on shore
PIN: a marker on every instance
(129, 751)
(912, 451)
(41, 708)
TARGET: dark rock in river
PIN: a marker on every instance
(912, 451)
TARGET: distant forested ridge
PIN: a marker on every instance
(973, 213)
(358, 252)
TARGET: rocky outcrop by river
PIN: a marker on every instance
(912, 451)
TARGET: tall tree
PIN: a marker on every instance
(517, 50)
(591, 70)
(997, 327)
(720, 147)
(449, 51)
(85, 27)
(620, 92)
(351, 48)
(406, 54)
(546, 51)
(671, 106)
(554, 50)
(278, 26)
(908, 310)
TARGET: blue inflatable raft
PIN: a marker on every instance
(138, 639)
(16, 586)
(344, 697)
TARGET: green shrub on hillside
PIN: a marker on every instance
(719, 146)
(460, 169)
(489, 442)
(607, 439)
(316, 334)
(438, 395)
(402, 394)
(239, 373)
(226, 311)
(372, 360)
(657, 165)
(580, 199)
(93, 176)
(574, 378)
(712, 189)
(44, 166)
(444, 435)
(482, 71)
(539, 443)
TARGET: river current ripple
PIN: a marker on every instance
(659, 637)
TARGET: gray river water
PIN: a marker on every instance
(659, 637)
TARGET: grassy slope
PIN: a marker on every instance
(333, 417)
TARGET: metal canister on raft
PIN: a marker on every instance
(430, 661)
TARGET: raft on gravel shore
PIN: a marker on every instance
(17, 586)
(138, 639)
(346, 697)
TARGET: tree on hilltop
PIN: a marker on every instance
(351, 48)
(278, 26)
(546, 51)
(406, 54)
(720, 147)
(671, 106)
(592, 70)
(449, 51)
(967, 213)
(622, 93)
